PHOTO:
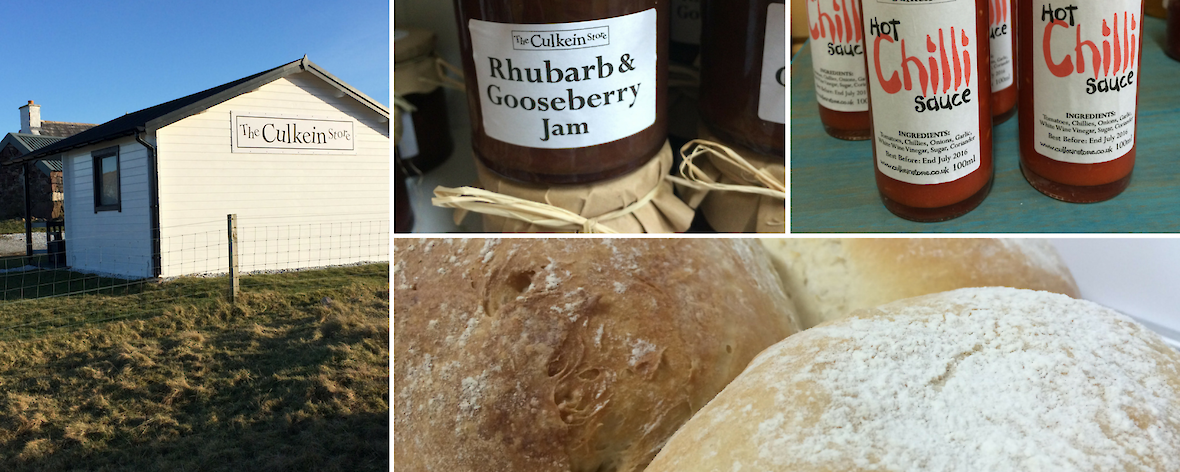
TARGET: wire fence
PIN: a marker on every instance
(119, 273)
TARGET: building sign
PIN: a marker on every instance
(256, 132)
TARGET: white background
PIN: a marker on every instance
(1138, 276)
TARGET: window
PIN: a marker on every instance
(106, 180)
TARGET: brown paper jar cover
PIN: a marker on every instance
(535, 159)
(732, 46)
(427, 130)
(736, 212)
(665, 214)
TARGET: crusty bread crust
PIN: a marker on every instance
(830, 278)
(525, 355)
(969, 380)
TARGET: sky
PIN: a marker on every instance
(93, 61)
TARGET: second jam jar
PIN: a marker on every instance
(1079, 95)
(743, 73)
(930, 99)
(564, 92)
(837, 52)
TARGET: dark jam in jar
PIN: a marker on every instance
(838, 63)
(930, 97)
(403, 212)
(1079, 95)
(686, 31)
(565, 92)
(1003, 46)
(743, 74)
(426, 137)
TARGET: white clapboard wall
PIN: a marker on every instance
(295, 209)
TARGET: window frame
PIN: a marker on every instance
(96, 168)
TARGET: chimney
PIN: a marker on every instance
(30, 118)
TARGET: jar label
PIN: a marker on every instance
(407, 148)
(924, 87)
(686, 21)
(772, 95)
(1085, 78)
(1003, 62)
(837, 52)
(566, 85)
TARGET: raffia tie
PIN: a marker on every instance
(537, 213)
(696, 178)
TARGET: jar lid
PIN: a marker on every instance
(411, 43)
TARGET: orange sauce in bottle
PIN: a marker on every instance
(1079, 67)
(1003, 45)
(837, 51)
(930, 98)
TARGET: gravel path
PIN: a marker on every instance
(14, 244)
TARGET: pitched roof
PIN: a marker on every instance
(176, 110)
(63, 129)
(26, 143)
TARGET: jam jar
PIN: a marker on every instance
(565, 92)
(1079, 95)
(743, 73)
(426, 140)
(930, 98)
(686, 31)
(838, 63)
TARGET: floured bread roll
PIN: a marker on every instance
(829, 278)
(528, 355)
(976, 379)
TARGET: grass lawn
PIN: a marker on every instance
(173, 377)
(16, 225)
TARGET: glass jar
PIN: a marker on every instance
(930, 98)
(838, 63)
(686, 31)
(565, 92)
(743, 73)
(1003, 45)
(426, 138)
(1079, 75)
(403, 212)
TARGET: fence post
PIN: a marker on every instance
(232, 222)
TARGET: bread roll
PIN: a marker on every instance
(829, 278)
(528, 355)
(976, 379)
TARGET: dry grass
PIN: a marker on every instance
(293, 377)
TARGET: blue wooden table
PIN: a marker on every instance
(833, 187)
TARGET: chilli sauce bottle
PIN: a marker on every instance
(837, 51)
(1174, 30)
(930, 99)
(743, 73)
(565, 92)
(1003, 45)
(1079, 84)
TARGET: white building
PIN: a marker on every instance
(301, 157)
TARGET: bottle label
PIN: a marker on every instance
(837, 51)
(566, 85)
(1003, 62)
(924, 87)
(686, 21)
(772, 94)
(1085, 78)
(408, 146)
